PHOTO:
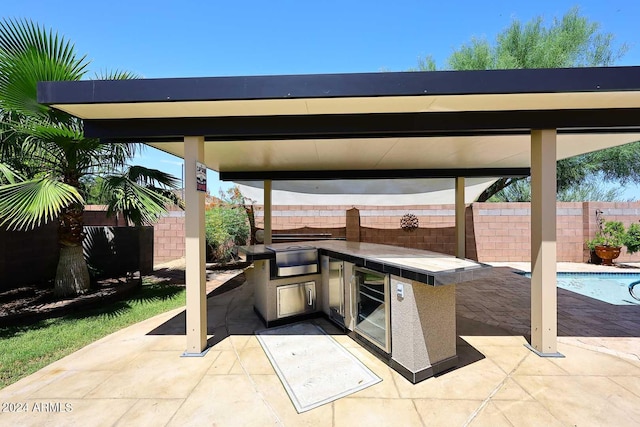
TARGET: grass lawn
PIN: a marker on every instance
(26, 349)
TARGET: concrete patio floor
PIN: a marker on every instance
(137, 377)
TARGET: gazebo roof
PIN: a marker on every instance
(372, 125)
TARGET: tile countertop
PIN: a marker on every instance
(428, 267)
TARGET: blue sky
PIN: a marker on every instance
(187, 38)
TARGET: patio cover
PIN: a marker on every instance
(378, 125)
(447, 124)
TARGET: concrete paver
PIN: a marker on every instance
(151, 412)
(137, 377)
(584, 400)
(458, 411)
(489, 416)
(351, 412)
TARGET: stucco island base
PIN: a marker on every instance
(423, 329)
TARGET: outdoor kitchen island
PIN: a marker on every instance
(398, 302)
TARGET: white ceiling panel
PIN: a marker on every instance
(506, 151)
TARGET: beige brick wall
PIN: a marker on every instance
(495, 231)
(503, 230)
(297, 216)
(168, 238)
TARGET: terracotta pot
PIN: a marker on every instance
(607, 253)
(593, 258)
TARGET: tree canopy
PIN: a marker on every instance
(570, 41)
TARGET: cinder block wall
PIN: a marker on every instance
(495, 231)
(168, 237)
(503, 231)
(297, 216)
(435, 232)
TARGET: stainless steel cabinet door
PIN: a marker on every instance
(295, 299)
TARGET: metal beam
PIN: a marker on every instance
(372, 174)
(382, 125)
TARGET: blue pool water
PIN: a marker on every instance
(612, 288)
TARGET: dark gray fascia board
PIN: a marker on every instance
(558, 80)
(366, 125)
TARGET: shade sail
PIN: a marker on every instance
(365, 192)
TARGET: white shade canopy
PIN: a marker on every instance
(365, 192)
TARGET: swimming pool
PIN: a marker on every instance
(612, 288)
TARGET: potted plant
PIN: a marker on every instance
(591, 245)
(609, 239)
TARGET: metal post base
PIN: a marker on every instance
(201, 354)
(560, 355)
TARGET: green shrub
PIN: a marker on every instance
(632, 239)
(613, 233)
(226, 226)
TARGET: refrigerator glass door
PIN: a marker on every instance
(372, 307)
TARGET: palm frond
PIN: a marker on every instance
(9, 175)
(140, 194)
(20, 36)
(138, 204)
(29, 204)
(122, 152)
(147, 176)
(29, 54)
(61, 147)
(170, 195)
(116, 75)
(9, 140)
(55, 132)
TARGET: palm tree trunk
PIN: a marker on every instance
(252, 223)
(72, 275)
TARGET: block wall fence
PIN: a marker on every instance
(31, 257)
(495, 231)
(168, 237)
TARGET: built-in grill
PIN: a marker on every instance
(294, 261)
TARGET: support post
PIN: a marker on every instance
(461, 233)
(195, 250)
(267, 212)
(544, 305)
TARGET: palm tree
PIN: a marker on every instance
(44, 154)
